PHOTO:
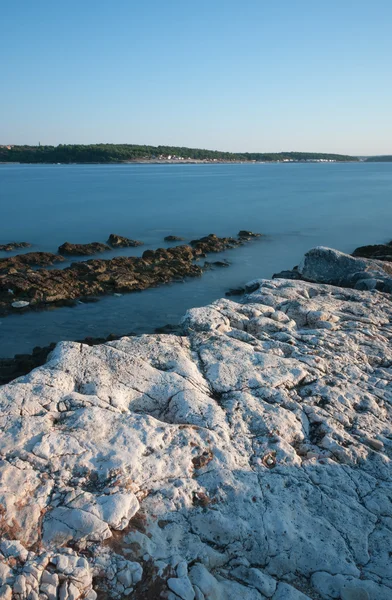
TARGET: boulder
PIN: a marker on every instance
(325, 265)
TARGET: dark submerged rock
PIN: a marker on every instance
(235, 292)
(173, 238)
(170, 329)
(216, 263)
(290, 274)
(377, 251)
(69, 249)
(119, 241)
(13, 246)
(243, 234)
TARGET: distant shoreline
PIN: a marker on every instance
(140, 154)
(192, 162)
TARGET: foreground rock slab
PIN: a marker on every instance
(249, 458)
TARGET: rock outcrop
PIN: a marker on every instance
(213, 243)
(119, 241)
(13, 246)
(248, 458)
(68, 249)
(95, 277)
(23, 262)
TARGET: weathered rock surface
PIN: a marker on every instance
(69, 249)
(250, 458)
(21, 364)
(23, 262)
(119, 241)
(95, 277)
(13, 246)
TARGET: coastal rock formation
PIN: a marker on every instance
(249, 458)
(96, 277)
(118, 241)
(14, 246)
(69, 249)
(22, 262)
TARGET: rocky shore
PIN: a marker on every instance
(22, 286)
(248, 458)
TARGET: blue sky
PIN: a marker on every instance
(254, 75)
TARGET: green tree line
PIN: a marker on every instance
(115, 153)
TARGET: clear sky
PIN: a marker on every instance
(257, 75)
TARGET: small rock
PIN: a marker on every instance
(375, 444)
(20, 304)
(288, 592)
(5, 592)
(182, 587)
(353, 592)
(263, 582)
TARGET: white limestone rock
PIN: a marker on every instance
(287, 592)
(241, 460)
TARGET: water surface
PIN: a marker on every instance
(296, 206)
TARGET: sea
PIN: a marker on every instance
(295, 207)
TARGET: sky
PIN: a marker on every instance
(250, 75)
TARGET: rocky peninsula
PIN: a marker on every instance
(248, 458)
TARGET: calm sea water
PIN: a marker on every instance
(296, 206)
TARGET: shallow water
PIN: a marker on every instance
(296, 206)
